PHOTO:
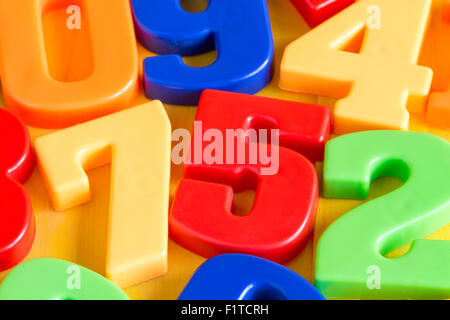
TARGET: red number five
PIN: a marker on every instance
(283, 213)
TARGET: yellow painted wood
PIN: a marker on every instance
(79, 234)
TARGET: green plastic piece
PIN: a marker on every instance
(350, 259)
(53, 279)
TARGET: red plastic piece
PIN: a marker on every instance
(17, 226)
(438, 112)
(317, 11)
(303, 127)
(282, 218)
(446, 11)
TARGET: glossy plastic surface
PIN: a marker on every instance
(244, 277)
(240, 31)
(367, 59)
(137, 144)
(44, 93)
(17, 224)
(53, 279)
(202, 218)
(317, 11)
(350, 257)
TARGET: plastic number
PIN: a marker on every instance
(53, 279)
(244, 277)
(240, 30)
(201, 217)
(42, 101)
(357, 242)
(377, 87)
(137, 144)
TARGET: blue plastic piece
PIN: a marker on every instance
(239, 30)
(245, 277)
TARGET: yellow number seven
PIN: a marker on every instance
(365, 56)
(137, 143)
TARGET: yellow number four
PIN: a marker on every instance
(376, 85)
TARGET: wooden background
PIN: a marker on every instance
(79, 234)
